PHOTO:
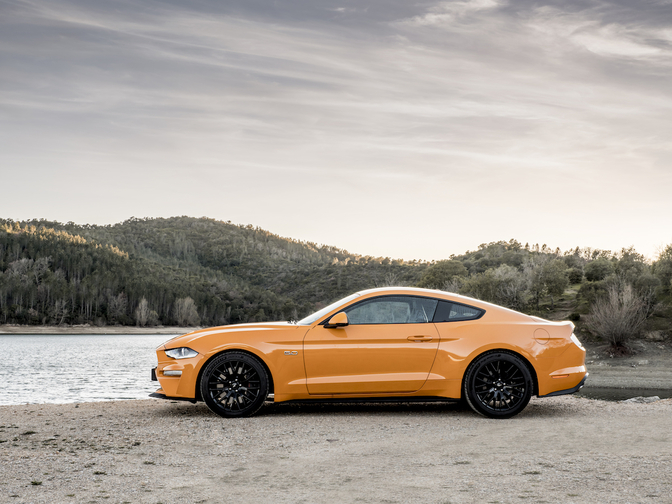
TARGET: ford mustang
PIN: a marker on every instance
(393, 344)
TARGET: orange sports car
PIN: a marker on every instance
(394, 344)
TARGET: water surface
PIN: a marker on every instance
(77, 368)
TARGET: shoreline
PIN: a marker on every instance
(6, 329)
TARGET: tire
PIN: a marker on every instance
(234, 384)
(498, 385)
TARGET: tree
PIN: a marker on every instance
(554, 274)
(646, 286)
(116, 308)
(662, 268)
(631, 265)
(534, 271)
(60, 311)
(186, 313)
(599, 269)
(441, 273)
(504, 285)
(512, 287)
(142, 313)
(547, 277)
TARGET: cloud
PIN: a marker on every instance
(396, 100)
(592, 30)
(446, 13)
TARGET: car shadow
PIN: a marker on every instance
(536, 409)
(362, 408)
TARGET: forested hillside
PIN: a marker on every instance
(189, 271)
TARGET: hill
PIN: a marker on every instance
(199, 271)
(52, 273)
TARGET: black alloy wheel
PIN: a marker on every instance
(498, 385)
(234, 384)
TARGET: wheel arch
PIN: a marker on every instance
(526, 361)
(197, 385)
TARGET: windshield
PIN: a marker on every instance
(321, 313)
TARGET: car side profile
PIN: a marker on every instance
(396, 344)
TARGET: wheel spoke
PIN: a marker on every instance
(235, 385)
(499, 385)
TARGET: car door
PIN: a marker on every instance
(388, 346)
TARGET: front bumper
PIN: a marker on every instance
(177, 378)
(159, 395)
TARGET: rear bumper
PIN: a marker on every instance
(569, 390)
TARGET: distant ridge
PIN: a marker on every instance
(187, 271)
(69, 273)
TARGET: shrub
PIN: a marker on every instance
(575, 275)
(618, 316)
(590, 291)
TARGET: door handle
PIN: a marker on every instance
(419, 338)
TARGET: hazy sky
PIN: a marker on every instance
(410, 129)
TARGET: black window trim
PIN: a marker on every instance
(480, 310)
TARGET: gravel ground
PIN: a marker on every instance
(564, 449)
(650, 366)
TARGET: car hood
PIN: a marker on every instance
(238, 329)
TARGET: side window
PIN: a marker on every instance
(449, 312)
(393, 310)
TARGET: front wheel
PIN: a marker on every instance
(498, 385)
(234, 384)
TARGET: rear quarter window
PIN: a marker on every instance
(452, 312)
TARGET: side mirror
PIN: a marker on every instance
(338, 320)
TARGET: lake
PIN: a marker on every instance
(84, 368)
(77, 368)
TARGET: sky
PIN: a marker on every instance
(412, 130)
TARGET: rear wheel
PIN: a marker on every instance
(234, 384)
(498, 385)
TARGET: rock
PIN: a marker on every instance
(642, 400)
(655, 336)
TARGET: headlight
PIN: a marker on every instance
(181, 353)
(576, 341)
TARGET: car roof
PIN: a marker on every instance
(418, 291)
(450, 296)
